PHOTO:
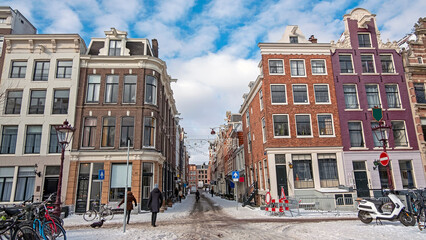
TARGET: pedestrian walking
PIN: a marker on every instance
(180, 195)
(154, 203)
(129, 204)
(211, 191)
(197, 195)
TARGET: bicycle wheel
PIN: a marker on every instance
(107, 214)
(89, 215)
(51, 230)
(25, 232)
(421, 221)
(57, 220)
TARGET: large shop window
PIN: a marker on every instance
(302, 171)
(406, 168)
(6, 180)
(118, 181)
(328, 170)
(25, 185)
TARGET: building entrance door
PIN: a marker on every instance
(146, 184)
(361, 179)
(281, 179)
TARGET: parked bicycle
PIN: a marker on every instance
(11, 228)
(418, 202)
(105, 212)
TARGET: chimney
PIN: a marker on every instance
(312, 39)
(155, 48)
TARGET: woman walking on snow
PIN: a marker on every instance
(154, 203)
(129, 205)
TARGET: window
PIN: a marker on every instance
(89, 132)
(407, 176)
(93, 86)
(346, 64)
(300, 94)
(64, 69)
(377, 135)
(302, 171)
(364, 40)
(276, 67)
(321, 93)
(279, 158)
(281, 128)
(423, 122)
(294, 39)
(33, 141)
(303, 125)
(129, 90)
(261, 100)
(3, 20)
(108, 132)
(387, 64)
(6, 181)
(392, 96)
(149, 132)
(327, 165)
(13, 102)
(8, 139)
(419, 88)
(355, 134)
(249, 141)
(263, 129)
(318, 67)
(114, 48)
(278, 94)
(25, 184)
(54, 146)
(399, 134)
(38, 99)
(41, 71)
(127, 128)
(373, 98)
(367, 63)
(150, 90)
(19, 68)
(111, 89)
(118, 181)
(325, 125)
(248, 118)
(60, 102)
(297, 67)
(420, 60)
(383, 176)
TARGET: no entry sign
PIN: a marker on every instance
(384, 158)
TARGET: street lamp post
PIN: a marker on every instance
(382, 135)
(64, 133)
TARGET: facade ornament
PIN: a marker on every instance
(8, 46)
(31, 47)
(53, 41)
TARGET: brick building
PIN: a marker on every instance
(192, 177)
(414, 57)
(290, 119)
(124, 98)
(369, 73)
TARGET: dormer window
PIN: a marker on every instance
(294, 39)
(114, 48)
(364, 40)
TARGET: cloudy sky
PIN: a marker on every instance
(211, 46)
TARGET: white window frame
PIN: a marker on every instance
(263, 129)
(269, 70)
(286, 99)
(310, 123)
(261, 99)
(304, 67)
(369, 36)
(357, 98)
(393, 64)
(374, 64)
(288, 126)
(399, 96)
(325, 66)
(332, 125)
(406, 135)
(352, 61)
(363, 137)
(378, 93)
(307, 94)
(328, 89)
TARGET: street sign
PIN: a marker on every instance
(377, 113)
(235, 176)
(101, 174)
(384, 158)
(268, 198)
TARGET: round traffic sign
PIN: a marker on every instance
(384, 158)
(268, 198)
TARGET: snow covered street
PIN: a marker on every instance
(216, 218)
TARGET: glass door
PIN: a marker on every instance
(147, 173)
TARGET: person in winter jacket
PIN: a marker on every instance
(155, 201)
(129, 205)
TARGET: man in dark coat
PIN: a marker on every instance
(129, 205)
(154, 203)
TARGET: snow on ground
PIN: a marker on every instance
(353, 229)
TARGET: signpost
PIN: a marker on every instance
(236, 178)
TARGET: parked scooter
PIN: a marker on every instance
(369, 209)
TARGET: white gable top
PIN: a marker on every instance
(293, 31)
